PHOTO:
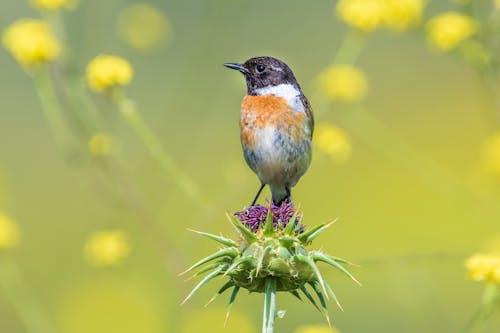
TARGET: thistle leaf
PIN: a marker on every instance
(231, 302)
(291, 223)
(268, 227)
(333, 296)
(220, 239)
(309, 235)
(269, 305)
(296, 294)
(338, 259)
(204, 281)
(224, 287)
(318, 256)
(246, 233)
(315, 269)
(261, 259)
(318, 289)
(230, 252)
(296, 230)
(309, 297)
(236, 263)
(206, 269)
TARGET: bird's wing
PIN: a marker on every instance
(309, 112)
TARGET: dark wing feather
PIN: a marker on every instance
(309, 112)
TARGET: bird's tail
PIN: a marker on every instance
(279, 193)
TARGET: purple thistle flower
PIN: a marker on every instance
(254, 217)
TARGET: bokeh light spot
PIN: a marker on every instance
(142, 26)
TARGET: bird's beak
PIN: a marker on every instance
(238, 67)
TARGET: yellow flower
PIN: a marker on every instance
(491, 154)
(366, 15)
(100, 144)
(31, 42)
(105, 72)
(446, 31)
(402, 14)
(54, 4)
(497, 4)
(333, 141)
(484, 268)
(342, 83)
(9, 232)
(107, 248)
(142, 26)
(316, 329)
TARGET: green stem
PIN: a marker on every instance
(491, 301)
(269, 306)
(350, 48)
(127, 109)
(51, 106)
(57, 23)
(29, 311)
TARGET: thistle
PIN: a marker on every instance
(270, 256)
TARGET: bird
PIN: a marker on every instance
(276, 125)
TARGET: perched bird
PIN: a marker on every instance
(276, 125)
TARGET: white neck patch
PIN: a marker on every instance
(286, 91)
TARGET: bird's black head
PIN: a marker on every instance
(264, 72)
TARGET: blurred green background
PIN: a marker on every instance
(412, 200)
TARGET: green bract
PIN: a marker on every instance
(272, 259)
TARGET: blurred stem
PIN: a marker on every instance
(127, 109)
(490, 302)
(50, 105)
(350, 48)
(54, 17)
(69, 82)
(373, 132)
(130, 199)
(30, 312)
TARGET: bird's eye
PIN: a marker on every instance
(260, 68)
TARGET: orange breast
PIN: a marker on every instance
(259, 112)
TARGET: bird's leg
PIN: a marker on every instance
(288, 194)
(258, 194)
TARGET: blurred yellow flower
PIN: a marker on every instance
(316, 329)
(333, 141)
(342, 83)
(491, 154)
(497, 4)
(366, 15)
(100, 144)
(402, 14)
(31, 42)
(54, 4)
(370, 15)
(484, 267)
(446, 31)
(107, 248)
(105, 72)
(142, 26)
(9, 232)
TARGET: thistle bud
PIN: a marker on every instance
(271, 255)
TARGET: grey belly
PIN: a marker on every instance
(277, 160)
